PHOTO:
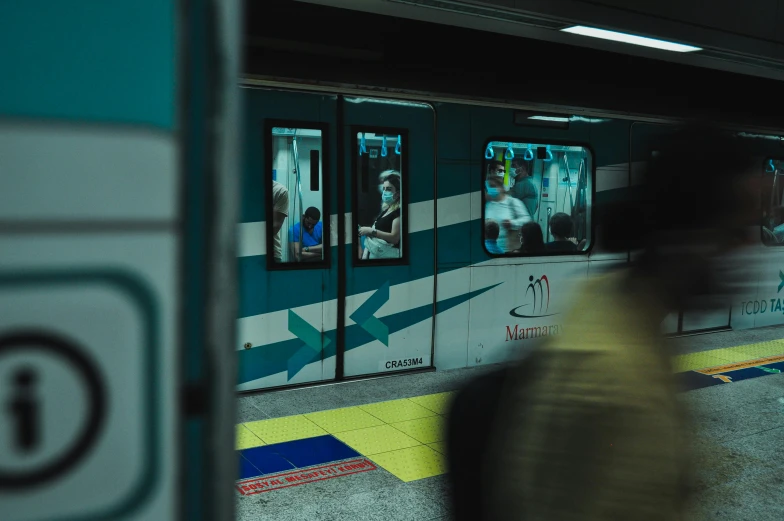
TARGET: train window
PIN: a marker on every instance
(537, 198)
(297, 223)
(773, 203)
(379, 194)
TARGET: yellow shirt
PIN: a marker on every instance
(596, 433)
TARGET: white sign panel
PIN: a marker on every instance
(77, 353)
(88, 280)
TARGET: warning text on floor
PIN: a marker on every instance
(300, 477)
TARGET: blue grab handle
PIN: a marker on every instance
(362, 146)
(770, 167)
(509, 154)
(489, 152)
(384, 146)
(549, 155)
(399, 145)
(529, 154)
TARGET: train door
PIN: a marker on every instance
(715, 314)
(389, 189)
(287, 264)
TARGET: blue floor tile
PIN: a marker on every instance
(266, 459)
(314, 451)
(692, 380)
(247, 470)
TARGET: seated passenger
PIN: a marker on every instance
(561, 227)
(531, 239)
(312, 237)
(523, 186)
(492, 231)
(508, 212)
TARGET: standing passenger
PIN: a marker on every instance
(382, 239)
(507, 211)
(280, 210)
(524, 187)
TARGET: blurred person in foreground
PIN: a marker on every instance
(588, 427)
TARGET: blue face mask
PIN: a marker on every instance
(387, 197)
(491, 191)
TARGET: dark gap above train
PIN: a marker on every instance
(307, 42)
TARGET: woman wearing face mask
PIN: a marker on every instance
(508, 212)
(382, 239)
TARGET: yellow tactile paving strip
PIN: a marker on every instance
(727, 355)
(246, 439)
(406, 437)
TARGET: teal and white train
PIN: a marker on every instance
(444, 301)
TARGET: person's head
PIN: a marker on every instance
(518, 169)
(390, 189)
(382, 177)
(495, 168)
(531, 238)
(311, 218)
(494, 188)
(492, 230)
(561, 226)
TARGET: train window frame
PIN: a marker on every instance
(354, 130)
(763, 206)
(591, 209)
(326, 262)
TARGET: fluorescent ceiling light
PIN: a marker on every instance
(630, 38)
(550, 118)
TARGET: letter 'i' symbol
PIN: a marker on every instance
(24, 407)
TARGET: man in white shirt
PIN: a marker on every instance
(510, 213)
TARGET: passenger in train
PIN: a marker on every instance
(523, 186)
(312, 236)
(382, 239)
(496, 168)
(280, 210)
(382, 177)
(531, 239)
(492, 231)
(561, 227)
(589, 427)
(507, 211)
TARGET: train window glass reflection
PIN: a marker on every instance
(537, 198)
(380, 203)
(773, 203)
(297, 218)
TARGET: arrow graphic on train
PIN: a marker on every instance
(315, 343)
(289, 355)
(364, 315)
(781, 276)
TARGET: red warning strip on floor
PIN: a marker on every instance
(300, 477)
(742, 365)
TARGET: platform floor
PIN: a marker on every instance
(372, 449)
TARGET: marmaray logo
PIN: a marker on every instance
(543, 300)
(538, 294)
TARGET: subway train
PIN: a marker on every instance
(402, 267)
(387, 192)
